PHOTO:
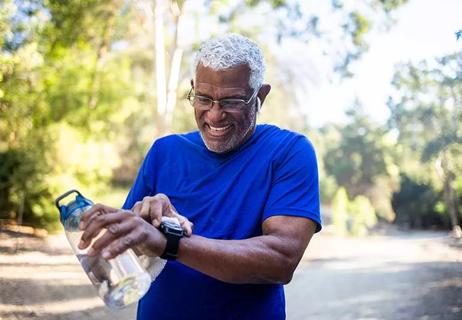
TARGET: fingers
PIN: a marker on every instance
(95, 210)
(152, 209)
(185, 224)
(163, 208)
(145, 210)
(97, 222)
(114, 231)
(157, 212)
(137, 209)
(135, 237)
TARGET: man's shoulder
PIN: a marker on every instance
(271, 129)
(171, 145)
(177, 140)
(274, 135)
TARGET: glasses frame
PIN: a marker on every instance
(191, 97)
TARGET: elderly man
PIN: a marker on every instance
(250, 190)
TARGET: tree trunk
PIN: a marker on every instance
(175, 64)
(160, 9)
(167, 94)
(101, 55)
(450, 196)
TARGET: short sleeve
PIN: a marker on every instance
(143, 185)
(295, 184)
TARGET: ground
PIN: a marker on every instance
(400, 275)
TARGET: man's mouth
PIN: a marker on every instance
(217, 131)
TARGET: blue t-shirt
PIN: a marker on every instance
(226, 196)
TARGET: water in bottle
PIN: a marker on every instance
(119, 281)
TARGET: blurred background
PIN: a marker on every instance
(86, 86)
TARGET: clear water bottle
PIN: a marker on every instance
(119, 281)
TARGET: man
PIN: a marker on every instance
(250, 191)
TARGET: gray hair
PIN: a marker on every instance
(231, 50)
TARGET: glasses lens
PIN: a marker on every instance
(200, 102)
(232, 104)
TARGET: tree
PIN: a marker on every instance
(416, 204)
(167, 20)
(362, 161)
(78, 75)
(425, 110)
(53, 86)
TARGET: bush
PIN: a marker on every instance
(22, 192)
(340, 212)
(415, 205)
(363, 216)
(352, 217)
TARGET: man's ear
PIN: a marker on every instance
(264, 90)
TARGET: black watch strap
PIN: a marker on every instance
(171, 249)
(173, 234)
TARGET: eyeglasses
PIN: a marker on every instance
(228, 104)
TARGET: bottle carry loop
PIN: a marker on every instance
(64, 195)
(80, 201)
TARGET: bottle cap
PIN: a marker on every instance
(79, 202)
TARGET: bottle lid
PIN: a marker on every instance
(66, 210)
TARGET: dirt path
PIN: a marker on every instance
(404, 276)
(43, 280)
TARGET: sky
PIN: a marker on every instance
(425, 29)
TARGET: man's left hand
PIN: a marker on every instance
(152, 209)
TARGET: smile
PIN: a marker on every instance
(218, 131)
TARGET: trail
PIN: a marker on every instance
(413, 275)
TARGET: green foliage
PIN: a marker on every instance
(47, 85)
(322, 140)
(22, 188)
(424, 106)
(390, 5)
(363, 216)
(354, 217)
(416, 205)
(340, 205)
(303, 21)
(358, 28)
(425, 111)
(76, 91)
(361, 159)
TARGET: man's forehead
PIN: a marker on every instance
(238, 74)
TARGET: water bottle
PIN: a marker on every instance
(119, 281)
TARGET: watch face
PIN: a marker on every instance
(172, 228)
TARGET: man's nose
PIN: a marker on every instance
(216, 112)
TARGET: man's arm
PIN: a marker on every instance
(270, 258)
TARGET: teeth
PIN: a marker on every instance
(219, 129)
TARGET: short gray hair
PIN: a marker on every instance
(230, 50)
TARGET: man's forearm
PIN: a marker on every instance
(254, 260)
(270, 258)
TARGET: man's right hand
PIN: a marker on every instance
(153, 208)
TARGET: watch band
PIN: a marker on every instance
(173, 233)
(171, 249)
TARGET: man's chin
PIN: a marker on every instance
(218, 146)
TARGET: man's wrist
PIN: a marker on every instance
(155, 244)
(173, 233)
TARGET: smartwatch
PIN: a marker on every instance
(173, 232)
